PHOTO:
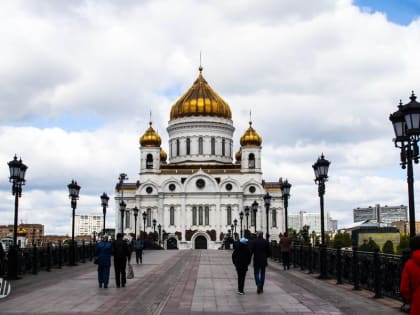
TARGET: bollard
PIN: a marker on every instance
(48, 257)
(377, 275)
(34, 260)
(355, 270)
(339, 266)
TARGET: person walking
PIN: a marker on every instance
(103, 259)
(410, 278)
(121, 257)
(138, 247)
(241, 258)
(260, 249)
(285, 245)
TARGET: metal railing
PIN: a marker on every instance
(373, 271)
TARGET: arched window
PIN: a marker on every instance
(149, 161)
(229, 215)
(251, 160)
(213, 146)
(188, 146)
(171, 216)
(200, 145)
(274, 218)
(194, 216)
(223, 147)
(200, 215)
(149, 217)
(177, 147)
(206, 216)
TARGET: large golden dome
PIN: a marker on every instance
(200, 100)
(251, 137)
(150, 138)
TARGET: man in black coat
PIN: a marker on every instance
(121, 256)
(260, 249)
(241, 257)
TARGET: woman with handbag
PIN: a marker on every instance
(103, 260)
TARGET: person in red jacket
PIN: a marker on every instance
(410, 278)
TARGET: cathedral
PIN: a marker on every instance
(198, 194)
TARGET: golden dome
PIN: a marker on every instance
(251, 137)
(200, 100)
(163, 155)
(150, 138)
(21, 231)
(238, 155)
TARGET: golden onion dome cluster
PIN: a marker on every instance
(250, 137)
(150, 138)
(200, 100)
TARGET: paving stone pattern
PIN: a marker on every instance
(186, 283)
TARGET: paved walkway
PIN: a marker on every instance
(186, 282)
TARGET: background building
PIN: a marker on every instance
(87, 224)
(33, 232)
(385, 214)
(313, 220)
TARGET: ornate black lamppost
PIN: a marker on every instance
(254, 212)
(104, 202)
(285, 195)
(123, 205)
(406, 124)
(136, 213)
(267, 203)
(241, 217)
(144, 214)
(235, 223)
(246, 215)
(160, 231)
(321, 176)
(17, 178)
(154, 229)
(74, 195)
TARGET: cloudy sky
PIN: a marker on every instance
(78, 79)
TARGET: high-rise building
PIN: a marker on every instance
(297, 220)
(87, 224)
(383, 214)
(196, 192)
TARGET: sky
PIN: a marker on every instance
(79, 78)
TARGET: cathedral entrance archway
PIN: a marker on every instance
(172, 243)
(200, 242)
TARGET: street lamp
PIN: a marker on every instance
(285, 195)
(267, 203)
(241, 217)
(17, 178)
(235, 223)
(254, 212)
(406, 125)
(104, 202)
(321, 176)
(154, 229)
(136, 213)
(74, 195)
(246, 215)
(123, 205)
(160, 231)
(144, 214)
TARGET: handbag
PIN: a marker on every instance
(130, 272)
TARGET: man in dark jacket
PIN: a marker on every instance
(121, 256)
(260, 249)
(241, 257)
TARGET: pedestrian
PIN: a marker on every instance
(285, 244)
(410, 278)
(260, 249)
(103, 259)
(121, 256)
(241, 258)
(138, 247)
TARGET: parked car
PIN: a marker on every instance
(6, 241)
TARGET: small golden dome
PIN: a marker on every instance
(150, 138)
(238, 155)
(163, 155)
(21, 232)
(251, 137)
(200, 100)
